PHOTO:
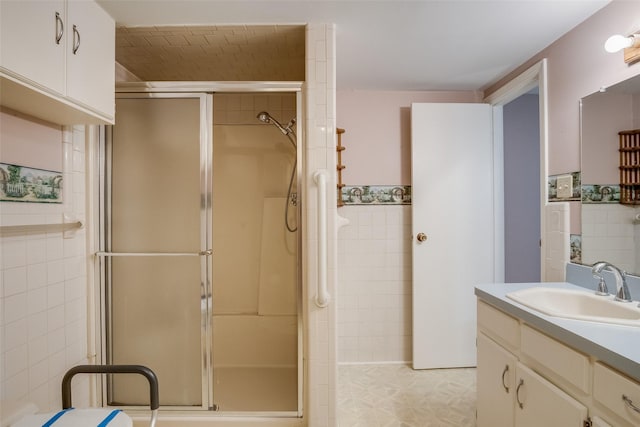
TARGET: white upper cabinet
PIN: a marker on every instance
(91, 56)
(33, 41)
(57, 60)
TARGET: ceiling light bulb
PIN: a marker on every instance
(617, 43)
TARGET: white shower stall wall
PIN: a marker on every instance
(255, 267)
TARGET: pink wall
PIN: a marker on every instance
(577, 66)
(377, 124)
(29, 143)
(378, 133)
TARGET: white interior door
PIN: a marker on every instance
(453, 205)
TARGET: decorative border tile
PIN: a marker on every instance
(552, 183)
(575, 248)
(376, 195)
(601, 193)
(25, 184)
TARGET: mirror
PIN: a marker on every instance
(610, 229)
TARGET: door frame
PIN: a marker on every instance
(536, 75)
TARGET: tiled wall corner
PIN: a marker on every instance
(557, 241)
(43, 307)
(320, 121)
(374, 287)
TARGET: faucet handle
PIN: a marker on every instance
(602, 288)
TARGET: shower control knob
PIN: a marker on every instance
(421, 237)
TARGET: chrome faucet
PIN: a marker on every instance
(622, 291)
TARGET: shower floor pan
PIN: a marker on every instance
(260, 389)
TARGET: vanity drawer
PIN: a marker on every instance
(503, 328)
(608, 389)
(556, 359)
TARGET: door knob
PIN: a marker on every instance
(421, 237)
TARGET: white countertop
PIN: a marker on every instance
(616, 346)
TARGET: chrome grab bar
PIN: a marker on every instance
(207, 252)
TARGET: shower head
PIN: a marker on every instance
(265, 117)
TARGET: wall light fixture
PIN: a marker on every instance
(630, 44)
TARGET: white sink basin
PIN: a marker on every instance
(579, 305)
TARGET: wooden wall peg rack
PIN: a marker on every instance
(340, 166)
(630, 167)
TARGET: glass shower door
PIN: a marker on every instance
(155, 255)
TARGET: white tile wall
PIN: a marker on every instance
(609, 233)
(320, 139)
(374, 285)
(234, 108)
(43, 306)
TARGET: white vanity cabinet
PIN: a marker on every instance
(496, 379)
(616, 395)
(540, 403)
(508, 392)
(526, 379)
(57, 60)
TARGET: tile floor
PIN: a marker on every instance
(398, 396)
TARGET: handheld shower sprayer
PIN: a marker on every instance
(265, 117)
(288, 131)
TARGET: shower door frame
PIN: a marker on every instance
(205, 131)
(205, 91)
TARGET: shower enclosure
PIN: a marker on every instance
(199, 247)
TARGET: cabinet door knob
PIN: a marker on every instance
(506, 369)
(59, 28)
(421, 237)
(76, 39)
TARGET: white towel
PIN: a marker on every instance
(92, 417)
